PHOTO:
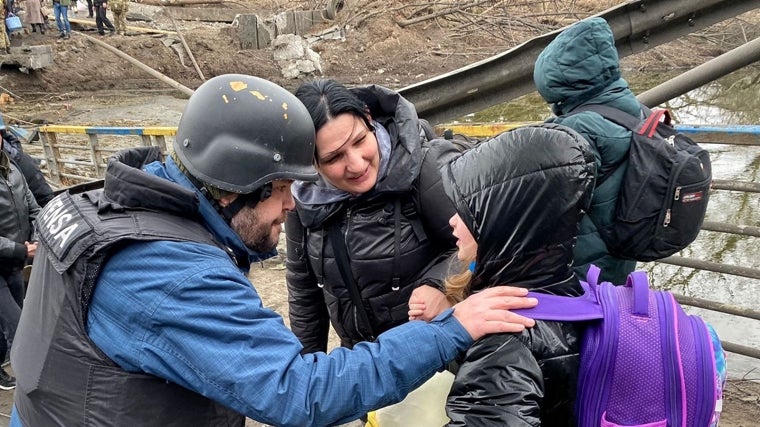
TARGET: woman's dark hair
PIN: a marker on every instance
(326, 99)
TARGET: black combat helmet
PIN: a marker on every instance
(239, 132)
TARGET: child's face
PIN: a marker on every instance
(467, 245)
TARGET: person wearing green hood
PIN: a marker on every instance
(581, 67)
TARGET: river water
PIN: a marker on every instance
(733, 100)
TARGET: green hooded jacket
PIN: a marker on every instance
(579, 67)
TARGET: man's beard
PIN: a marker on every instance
(256, 236)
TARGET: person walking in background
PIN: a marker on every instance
(18, 211)
(34, 16)
(520, 198)
(372, 229)
(5, 41)
(119, 9)
(61, 13)
(581, 67)
(140, 311)
(101, 17)
(7, 9)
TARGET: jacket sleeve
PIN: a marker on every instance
(309, 319)
(12, 253)
(34, 178)
(34, 210)
(498, 383)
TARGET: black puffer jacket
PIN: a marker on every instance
(397, 237)
(522, 195)
(18, 211)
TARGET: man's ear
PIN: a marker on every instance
(226, 200)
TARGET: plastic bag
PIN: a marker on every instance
(423, 407)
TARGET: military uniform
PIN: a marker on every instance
(5, 42)
(119, 9)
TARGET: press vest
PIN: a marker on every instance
(63, 378)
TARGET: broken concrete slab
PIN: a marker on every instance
(29, 57)
(211, 14)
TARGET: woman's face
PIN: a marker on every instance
(347, 154)
(468, 247)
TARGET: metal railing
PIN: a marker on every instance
(74, 155)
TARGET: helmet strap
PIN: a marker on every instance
(243, 200)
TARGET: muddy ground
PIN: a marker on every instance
(375, 47)
(88, 85)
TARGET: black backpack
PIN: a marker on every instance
(663, 198)
(462, 142)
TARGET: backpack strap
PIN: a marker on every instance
(640, 284)
(341, 258)
(628, 121)
(568, 309)
(587, 306)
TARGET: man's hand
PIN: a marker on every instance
(31, 249)
(487, 312)
(426, 302)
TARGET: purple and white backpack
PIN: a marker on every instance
(644, 362)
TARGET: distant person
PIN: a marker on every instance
(119, 9)
(376, 191)
(101, 17)
(27, 165)
(520, 198)
(5, 41)
(140, 312)
(34, 16)
(61, 13)
(580, 67)
(18, 211)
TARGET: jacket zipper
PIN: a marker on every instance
(348, 250)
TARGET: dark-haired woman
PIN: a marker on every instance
(373, 228)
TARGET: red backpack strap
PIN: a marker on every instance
(650, 125)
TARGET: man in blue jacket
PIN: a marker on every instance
(139, 310)
(581, 67)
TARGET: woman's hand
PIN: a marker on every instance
(426, 302)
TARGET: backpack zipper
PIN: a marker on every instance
(605, 356)
(674, 379)
(706, 387)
